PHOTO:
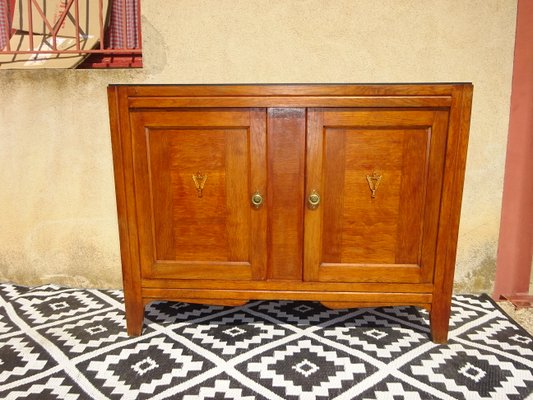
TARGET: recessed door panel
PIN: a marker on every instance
(195, 175)
(378, 174)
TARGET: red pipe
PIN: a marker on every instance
(515, 248)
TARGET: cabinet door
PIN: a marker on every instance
(195, 172)
(378, 173)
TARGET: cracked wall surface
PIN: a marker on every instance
(57, 208)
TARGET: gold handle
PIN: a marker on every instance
(257, 199)
(313, 200)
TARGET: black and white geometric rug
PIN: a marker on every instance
(63, 343)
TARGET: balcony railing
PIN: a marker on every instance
(66, 33)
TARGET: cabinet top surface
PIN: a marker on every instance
(290, 90)
(294, 84)
(301, 88)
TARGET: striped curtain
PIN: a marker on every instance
(5, 23)
(124, 29)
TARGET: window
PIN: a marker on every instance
(70, 34)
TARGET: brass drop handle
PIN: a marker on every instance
(313, 200)
(257, 199)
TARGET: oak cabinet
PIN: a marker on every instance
(345, 194)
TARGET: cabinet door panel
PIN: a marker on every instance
(195, 172)
(379, 175)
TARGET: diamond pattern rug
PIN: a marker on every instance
(64, 343)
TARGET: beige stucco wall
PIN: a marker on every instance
(57, 208)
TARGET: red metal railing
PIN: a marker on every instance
(5, 21)
(106, 30)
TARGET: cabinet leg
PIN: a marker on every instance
(439, 324)
(134, 319)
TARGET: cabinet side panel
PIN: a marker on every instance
(458, 130)
(122, 165)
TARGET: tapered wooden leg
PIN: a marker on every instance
(134, 318)
(439, 324)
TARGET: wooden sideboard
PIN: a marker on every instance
(345, 194)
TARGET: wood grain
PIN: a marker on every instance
(396, 227)
(285, 141)
(127, 223)
(290, 102)
(294, 90)
(313, 182)
(286, 163)
(360, 297)
(182, 234)
(278, 285)
(455, 162)
(258, 235)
